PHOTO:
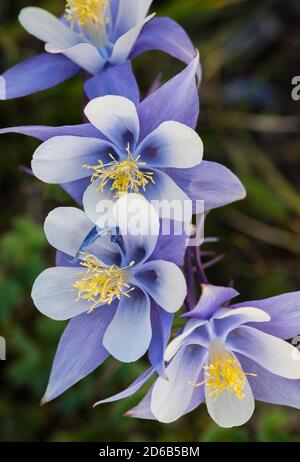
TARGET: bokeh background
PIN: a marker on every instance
(250, 52)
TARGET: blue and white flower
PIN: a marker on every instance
(61, 159)
(120, 160)
(91, 36)
(227, 356)
(120, 296)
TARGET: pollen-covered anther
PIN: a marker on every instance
(125, 175)
(101, 283)
(87, 12)
(224, 373)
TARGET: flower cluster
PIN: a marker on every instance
(139, 161)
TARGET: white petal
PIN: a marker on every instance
(61, 159)
(54, 296)
(128, 336)
(249, 314)
(164, 282)
(176, 344)
(60, 225)
(116, 117)
(98, 205)
(130, 14)
(125, 43)
(226, 320)
(47, 27)
(172, 144)
(227, 410)
(139, 226)
(272, 353)
(134, 215)
(136, 218)
(67, 227)
(171, 397)
(168, 198)
(84, 55)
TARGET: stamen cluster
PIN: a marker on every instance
(101, 283)
(126, 175)
(86, 12)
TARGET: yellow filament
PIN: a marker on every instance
(125, 175)
(224, 373)
(87, 12)
(101, 283)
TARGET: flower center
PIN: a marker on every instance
(101, 283)
(87, 12)
(125, 175)
(224, 373)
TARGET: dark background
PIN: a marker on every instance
(250, 52)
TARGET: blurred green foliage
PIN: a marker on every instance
(250, 52)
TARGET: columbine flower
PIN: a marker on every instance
(227, 357)
(124, 161)
(86, 145)
(92, 35)
(120, 297)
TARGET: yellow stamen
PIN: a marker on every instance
(87, 12)
(101, 283)
(224, 373)
(125, 175)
